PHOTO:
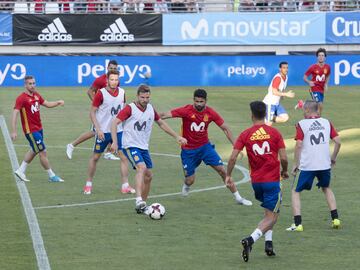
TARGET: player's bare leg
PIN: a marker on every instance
(321, 106)
(29, 156)
(124, 171)
(147, 183)
(282, 118)
(296, 209)
(231, 186)
(331, 201)
(44, 161)
(20, 172)
(82, 138)
(189, 180)
(91, 172)
(140, 203)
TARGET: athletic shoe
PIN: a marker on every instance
(140, 207)
(87, 190)
(244, 201)
(69, 150)
(55, 179)
(335, 223)
(269, 249)
(21, 176)
(185, 190)
(128, 190)
(294, 228)
(299, 105)
(146, 211)
(110, 156)
(247, 249)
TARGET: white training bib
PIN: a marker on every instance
(270, 98)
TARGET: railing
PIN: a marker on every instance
(174, 6)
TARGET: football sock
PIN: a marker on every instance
(237, 195)
(334, 214)
(138, 199)
(186, 186)
(256, 234)
(88, 183)
(23, 167)
(268, 235)
(125, 185)
(50, 172)
(297, 220)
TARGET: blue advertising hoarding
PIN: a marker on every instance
(343, 28)
(5, 29)
(244, 28)
(172, 70)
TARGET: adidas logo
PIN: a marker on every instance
(316, 126)
(260, 134)
(117, 31)
(55, 31)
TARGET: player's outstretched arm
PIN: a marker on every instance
(165, 127)
(165, 115)
(337, 146)
(52, 104)
(114, 124)
(13, 124)
(284, 163)
(228, 133)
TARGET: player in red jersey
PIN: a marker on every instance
(320, 75)
(196, 118)
(263, 144)
(28, 105)
(99, 83)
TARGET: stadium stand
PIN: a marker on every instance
(174, 6)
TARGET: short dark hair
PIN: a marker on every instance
(258, 109)
(200, 93)
(283, 63)
(113, 62)
(112, 72)
(143, 88)
(321, 50)
(28, 77)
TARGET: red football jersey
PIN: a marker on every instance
(318, 76)
(195, 124)
(101, 82)
(29, 107)
(262, 145)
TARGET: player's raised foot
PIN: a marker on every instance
(185, 190)
(299, 105)
(294, 228)
(55, 179)
(21, 176)
(269, 249)
(336, 223)
(87, 190)
(140, 207)
(128, 190)
(69, 150)
(244, 201)
(247, 245)
(110, 156)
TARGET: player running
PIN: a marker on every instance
(275, 112)
(138, 118)
(98, 84)
(264, 145)
(312, 159)
(106, 104)
(28, 104)
(196, 118)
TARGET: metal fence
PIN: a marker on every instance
(173, 6)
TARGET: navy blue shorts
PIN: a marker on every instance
(274, 110)
(305, 179)
(192, 158)
(100, 145)
(317, 96)
(137, 155)
(269, 194)
(36, 141)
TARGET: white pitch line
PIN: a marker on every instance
(244, 171)
(37, 240)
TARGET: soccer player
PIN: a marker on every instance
(275, 112)
(28, 104)
(320, 75)
(264, 145)
(312, 159)
(106, 104)
(98, 84)
(196, 119)
(138, 118)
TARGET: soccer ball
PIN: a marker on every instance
(156, 211)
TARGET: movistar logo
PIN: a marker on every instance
(197, 128)
(317, 140)
(35, 107)
(320, 78)
(115, 111)
(139, 126)
(264, 149)
(190, 32)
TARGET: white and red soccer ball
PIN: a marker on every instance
(156, 211)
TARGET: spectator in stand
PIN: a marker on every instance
(161, 6)
(178, 6)
(192, 6)
(91, 6)
(64, 6)
(291, 5)
(39, 6)
(149, 6)
(262, 5)
(80, 6)
(307, 5)
(115, 6)
(244, 5)
(277, 5)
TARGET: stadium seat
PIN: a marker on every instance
(21, 7)
(51, 8)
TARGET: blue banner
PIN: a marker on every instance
(343, 28)
(5, 29)
(172, 70)
(243, 28)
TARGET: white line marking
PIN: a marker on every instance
(38, 243)
(244, 171)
